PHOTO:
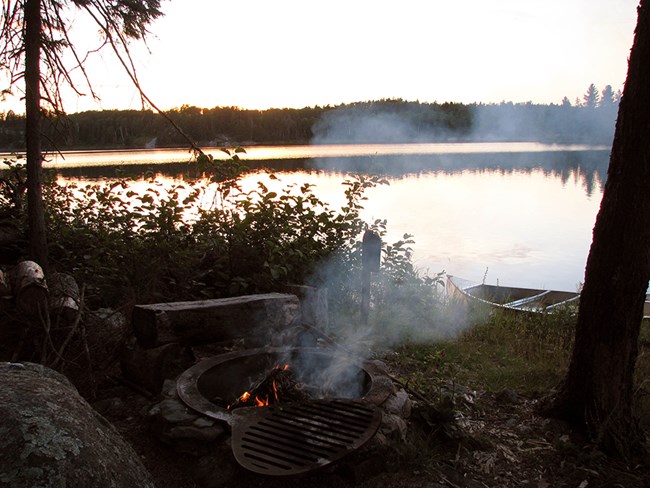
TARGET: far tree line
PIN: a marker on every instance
(590, 120)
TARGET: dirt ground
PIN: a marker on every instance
(497, 440)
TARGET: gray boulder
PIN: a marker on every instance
(51, 437)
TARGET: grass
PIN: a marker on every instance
(524, 352)
(527, 353)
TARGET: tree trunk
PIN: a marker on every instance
(597, 393)
(35, 211)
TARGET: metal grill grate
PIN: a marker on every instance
(290, 439)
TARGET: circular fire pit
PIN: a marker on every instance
(227, 376)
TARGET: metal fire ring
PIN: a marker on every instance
(293, 439)
(188, 391)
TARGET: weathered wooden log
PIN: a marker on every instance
(64, 296)
(30, 289)
(254, 317)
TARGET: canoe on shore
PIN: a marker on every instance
(507, 297)
(521, 299)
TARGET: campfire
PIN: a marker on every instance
(317, 406)
(276, 385)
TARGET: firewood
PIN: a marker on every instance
(277, 385)
(64, 296)
(30, 289)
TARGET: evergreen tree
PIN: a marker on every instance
(607, 97)
(591, 97)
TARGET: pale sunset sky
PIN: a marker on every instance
(296, 53)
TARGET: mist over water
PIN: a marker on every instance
(371, 125)
(402, 122)
(516, 213)
(503, 217)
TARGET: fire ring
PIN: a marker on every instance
(225, 376)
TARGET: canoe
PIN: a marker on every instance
(507, 297)
(521, 299)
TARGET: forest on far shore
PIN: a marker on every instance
(591, 121)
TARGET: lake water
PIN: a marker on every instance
(518, 214)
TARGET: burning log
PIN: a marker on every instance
(275, 386)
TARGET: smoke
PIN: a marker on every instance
(376, 123)
(407, 314)
(390, 122)
(508, 122)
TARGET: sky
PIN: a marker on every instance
(294, 53)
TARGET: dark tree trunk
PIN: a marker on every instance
(35, 211)
(597, 393)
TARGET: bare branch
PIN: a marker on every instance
(111, 33)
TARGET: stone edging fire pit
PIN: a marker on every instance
(282, 439)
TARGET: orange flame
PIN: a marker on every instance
(260, 402)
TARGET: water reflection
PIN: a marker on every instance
(588, 165)
(522, 219)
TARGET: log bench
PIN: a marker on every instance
(255, 317)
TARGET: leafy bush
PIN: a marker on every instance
(133, 241)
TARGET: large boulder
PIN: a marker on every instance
(51, 437)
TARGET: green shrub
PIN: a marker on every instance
(137, 242)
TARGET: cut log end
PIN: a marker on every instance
(30, 289)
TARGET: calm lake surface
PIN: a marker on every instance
(518, 214)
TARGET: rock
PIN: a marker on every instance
(393, 427)
(182, 428)
(5, 285)
(51, 437)
(398, 404)
(113, 406)
(218, 469)
(149, 368)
